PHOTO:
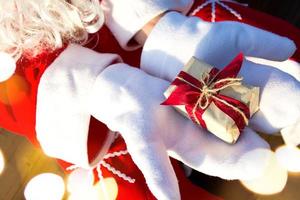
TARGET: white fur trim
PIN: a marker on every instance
(126, 18)
(7, 66)
(62, 117)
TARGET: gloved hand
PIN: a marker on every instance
(176, 38)
(77, 85)
(128, 100)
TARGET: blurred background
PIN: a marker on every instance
(288, 10)
(20, 161)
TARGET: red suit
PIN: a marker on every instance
(18, 97)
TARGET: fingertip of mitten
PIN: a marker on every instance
(255, 163)
(290, 48)
(289, 157)
(272, 179)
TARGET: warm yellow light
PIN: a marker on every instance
(14, 90)
(289, 157)
(80, 180)
(111, 187)
(45, 186)
(107, 189)
(272, 181)
(2, 162)
(88, 194)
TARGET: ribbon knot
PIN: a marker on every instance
(210, 89)
(206, 93)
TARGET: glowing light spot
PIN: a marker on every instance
(45, 186)
(111, 187)
(289, 158)
(2, 162)
(13, 90)
(80, 180)
(97, 192)
(272, 181)
(88, 194)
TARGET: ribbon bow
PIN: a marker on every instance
(196, 95)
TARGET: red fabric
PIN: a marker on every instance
(188, 92)
(18, 94)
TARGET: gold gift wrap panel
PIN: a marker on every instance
(218, 122)
(246, 94)
(196, 68)
(181, 108)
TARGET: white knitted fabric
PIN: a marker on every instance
(176, 38)
(128, 100)
(126, 18)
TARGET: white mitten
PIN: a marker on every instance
(128, 100)
(287, 155)
(125, 18)
(176, 38)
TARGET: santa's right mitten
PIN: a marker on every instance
(128, 100)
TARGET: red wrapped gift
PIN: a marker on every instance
(214, 99)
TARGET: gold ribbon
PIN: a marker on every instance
(208, 91)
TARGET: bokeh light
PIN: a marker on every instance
(106, 189)
(80, 180)
(45, 186)
(13, 90)
(110, 186)
(272, 181)
(2, 162)
(289, 157)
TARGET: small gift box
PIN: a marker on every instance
(214, 99)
